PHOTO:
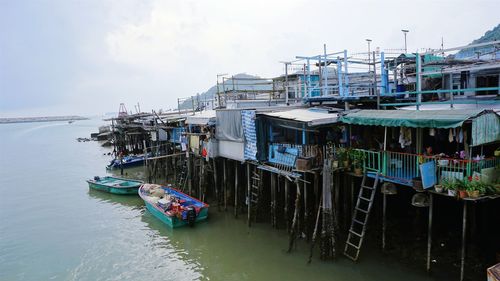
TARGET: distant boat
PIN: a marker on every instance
(171, 206)
(115, 185)
(71, 121)
(126, 162)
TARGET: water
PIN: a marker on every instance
(53, 228)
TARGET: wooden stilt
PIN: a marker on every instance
(249, 195)
(295, 229)
(384, 220)
(464, 236)
(306, 213)
(225, 183)
(287, 222)
(236, 178)
(429, 233)
(315, 233)
(273, 199)
(216, 183)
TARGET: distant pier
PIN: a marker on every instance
(40, 119)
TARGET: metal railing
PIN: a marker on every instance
(371, 160)
(405, 166)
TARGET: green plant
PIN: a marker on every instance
(342, 153)
(482, 187)
(357, 158)
(451, 183)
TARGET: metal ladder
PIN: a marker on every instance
(360, 219)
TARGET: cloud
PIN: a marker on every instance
(88, 56)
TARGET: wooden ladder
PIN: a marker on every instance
(360, 219)
(255, 192)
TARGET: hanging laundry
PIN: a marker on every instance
(450, 136)
(460, 136)
(432, 132)
(404, 137)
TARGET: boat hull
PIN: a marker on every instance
(174, 221)
(131, 189)
(127, 163)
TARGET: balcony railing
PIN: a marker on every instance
(403, 167)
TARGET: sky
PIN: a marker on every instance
(62, 57)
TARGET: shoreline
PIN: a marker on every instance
(40, 119)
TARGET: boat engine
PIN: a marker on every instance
(191, 216)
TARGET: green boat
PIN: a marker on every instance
(115, 185)
(175, 208)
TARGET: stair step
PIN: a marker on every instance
(355, 233)
(352, 245)
(360, 222)
(366, 199)
(349, 256)
(367, 187)
(361, 210)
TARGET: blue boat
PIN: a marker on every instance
(126, 162)
(172, 206)
(115, 185)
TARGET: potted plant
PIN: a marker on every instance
(342, 155)
(471, 188)
(357, 158)
(462, 186)
(335, 162)
(450, 185)
(438, 188)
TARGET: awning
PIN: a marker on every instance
(407, 118)
(310, 116)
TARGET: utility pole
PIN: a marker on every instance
(369, 61)
(404, 32)
(218, 92)
(286, 82)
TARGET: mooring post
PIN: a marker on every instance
(384, 221)
(296, 216)
(306, 215)
(225, 182)
(286, 206)
(316, 194)
(464, 232)
(216, 183)
(201, 180)
(190, 173)
(429, 233)
(236, 177)
(273, 199)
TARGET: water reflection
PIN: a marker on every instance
(125, 200)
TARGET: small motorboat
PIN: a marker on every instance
(171, 206)
(115, 185)
(126, 162)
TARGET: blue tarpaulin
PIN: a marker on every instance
(250, 133)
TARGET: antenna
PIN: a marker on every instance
(442, 45)
(122, 111)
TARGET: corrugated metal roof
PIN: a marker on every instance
(201, 118)
(313, 117)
